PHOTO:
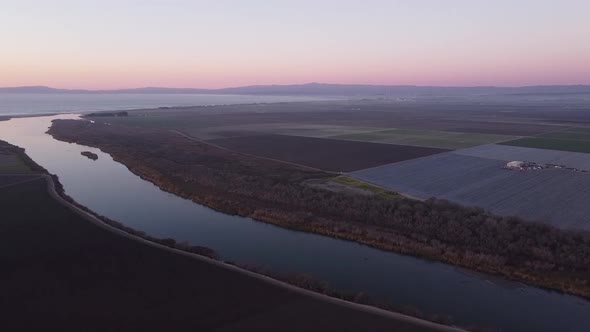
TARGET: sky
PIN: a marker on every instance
(108, 44)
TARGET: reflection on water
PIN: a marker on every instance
(110, 189)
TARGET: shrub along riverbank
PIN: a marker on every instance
(274, 192)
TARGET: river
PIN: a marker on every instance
(471, 299)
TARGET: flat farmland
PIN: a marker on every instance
(9, 180)
(572, 139)
(573, 145)
(323, 131)
(552, 196)
(580, 130)
(490, 126)
(427, 138)
(293, 129)
(574, 134)
(509, 153)
(12, 164)
(496, 119)
(326, 154)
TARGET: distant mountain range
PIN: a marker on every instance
(322, 89)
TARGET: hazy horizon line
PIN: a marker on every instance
(294, 84)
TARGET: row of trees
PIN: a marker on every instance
(275, 192)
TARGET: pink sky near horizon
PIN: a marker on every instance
(203, 44)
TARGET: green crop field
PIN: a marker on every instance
(573, 145)
(323, 130)
(582, 130)
(428, 138)
(568, 135)
(291, 129)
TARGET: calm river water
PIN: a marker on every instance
(108, 188)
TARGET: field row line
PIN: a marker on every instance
(551, 132)
(401, 142)
(561, 139)
(247, 154)
(20, 182)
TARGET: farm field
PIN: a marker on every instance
(290, 196)
(510, 153)
(550, 143)
(262, 129)
(322, 131)
(8, 181)
(427, 138)
(579, 130)
(12, 164)
(293, 129)
(355, 136)
(325, 154)
(556, 197)
(356, 115)
(492, 126)
(570, 134)
(575, 139)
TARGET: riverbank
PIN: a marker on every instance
(64, 266)
(273, 193)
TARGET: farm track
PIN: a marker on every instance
(246, 154)
(34, 178)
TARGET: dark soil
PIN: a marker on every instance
(326, 154)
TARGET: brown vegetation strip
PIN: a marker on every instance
(275, 193)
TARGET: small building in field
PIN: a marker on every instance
(515, 165)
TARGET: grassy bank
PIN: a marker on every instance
(382, 192)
